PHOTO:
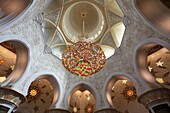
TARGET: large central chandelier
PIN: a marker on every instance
(83, 58)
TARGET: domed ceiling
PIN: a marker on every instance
(83, 17)
(99, 22)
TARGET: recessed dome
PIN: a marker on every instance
(79, 16)
(86, 12)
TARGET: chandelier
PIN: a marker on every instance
(129, 93)
(83, 58)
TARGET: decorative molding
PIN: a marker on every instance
(47, 50)
(39, 18)
(127, 21)
(113, 18)
(155, 95)
(88, 87)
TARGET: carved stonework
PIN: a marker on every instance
(155, 95)
(127, 21)
(57, 111)
(106, 110)
(39, 18)
(47, 49)
(12, 96)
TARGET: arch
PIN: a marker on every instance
(51, 77)
(87, 86)
(108, 85)
(11, 18)
(140, 59)
(23, 58)
(148, 10)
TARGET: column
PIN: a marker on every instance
(57, 111)
(156, 100)
(106, 110)
(10, 100)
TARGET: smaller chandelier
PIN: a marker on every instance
(33, 92)
(83, 58)
(2, 61)
(130, 93)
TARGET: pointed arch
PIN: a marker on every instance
(87, 86)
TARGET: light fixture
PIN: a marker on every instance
(89, 108)
(129, 93)
(75, 109)
(83, 58)
(2, 61)
(33, 92)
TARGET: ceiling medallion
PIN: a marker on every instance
(129, 93)
(83, 58)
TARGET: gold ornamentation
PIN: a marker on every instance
(130, 93)
(159, 63)
(150, 68)
(33, 92)
(124, 81)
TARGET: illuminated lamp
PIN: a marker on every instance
(83, 59)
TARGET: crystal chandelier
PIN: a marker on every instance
(83, 58)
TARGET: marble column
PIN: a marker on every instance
(106, 110)
(156, 100)
(57, 110)
(10, 100)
